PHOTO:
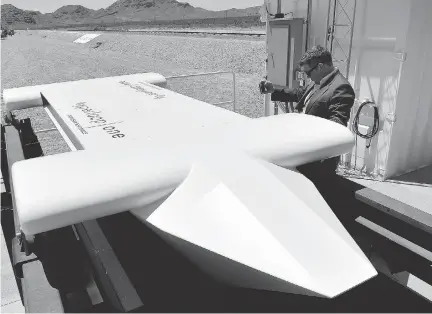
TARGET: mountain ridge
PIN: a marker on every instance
(119, 12)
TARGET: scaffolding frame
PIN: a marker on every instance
(340, 16)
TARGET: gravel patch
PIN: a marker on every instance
(43, 57)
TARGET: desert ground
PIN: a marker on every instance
(41, 57)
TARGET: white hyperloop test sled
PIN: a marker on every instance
(197, 175)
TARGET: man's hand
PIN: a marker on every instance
(266, 87)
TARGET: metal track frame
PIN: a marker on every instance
(113, 285)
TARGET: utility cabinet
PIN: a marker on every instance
(284, 50)
(285, 38)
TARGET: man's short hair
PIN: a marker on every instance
(315, 55)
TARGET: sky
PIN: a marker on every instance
(49, 6)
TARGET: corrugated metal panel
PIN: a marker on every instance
(411, 143)
(375, 73)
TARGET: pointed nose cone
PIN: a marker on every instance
(253, 224)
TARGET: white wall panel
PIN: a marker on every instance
(411, 143)
(385, 31)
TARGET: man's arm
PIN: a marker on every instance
(341, 104)
(288, 94)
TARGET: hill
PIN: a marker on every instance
(11, 15)
(120, 11)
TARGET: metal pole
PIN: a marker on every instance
(222, 103)
(45, 131)
(212, 73)
(267, 96)
(234, 92)
(308, 23)
(199, 74)
(332, 30)
(357, 80)
(351, 39)
(327, 24)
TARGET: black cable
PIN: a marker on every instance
(274, 15)
(268, 11)
(374, 130)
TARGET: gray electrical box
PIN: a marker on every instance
(284, 49)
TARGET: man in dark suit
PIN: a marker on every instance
(329, 95)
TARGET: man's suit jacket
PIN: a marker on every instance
(333, 100)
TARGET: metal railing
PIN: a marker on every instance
(233, 101)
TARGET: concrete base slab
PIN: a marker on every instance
(406, 191)
(14, 307)
(10, 297)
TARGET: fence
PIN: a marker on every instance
(233, 101)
